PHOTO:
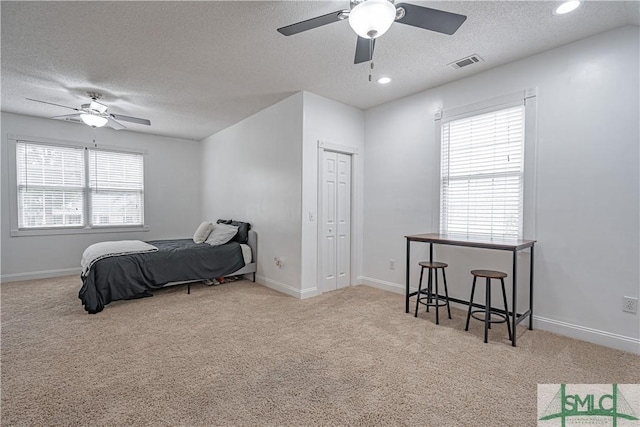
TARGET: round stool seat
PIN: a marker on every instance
(490, 274)
(427, 264)
(487, 310)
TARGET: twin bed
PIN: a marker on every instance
(137, 275)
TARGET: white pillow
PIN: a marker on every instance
(221, 234)
(202, 232)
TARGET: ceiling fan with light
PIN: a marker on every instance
(95, 114)
(372, 18)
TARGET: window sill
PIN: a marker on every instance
(67, 231)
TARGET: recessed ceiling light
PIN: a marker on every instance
(384, 80)
(566, 7)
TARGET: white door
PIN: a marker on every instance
(335, 261)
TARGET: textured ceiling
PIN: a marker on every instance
(194, 68)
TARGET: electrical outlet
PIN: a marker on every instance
(392, 264)
(630, 304)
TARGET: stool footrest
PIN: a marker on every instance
(438, 301)
(502, 317)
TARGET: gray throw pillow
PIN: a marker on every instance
(221, 234)
(202, 232)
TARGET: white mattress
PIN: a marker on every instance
(246, 253)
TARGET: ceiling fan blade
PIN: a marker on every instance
(51, 103)
(431, 19)
(312, 23)
(130, 119)
(114, 124)
(364, 50)
(67, 116)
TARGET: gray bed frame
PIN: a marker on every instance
(250, 268)
(253, 266)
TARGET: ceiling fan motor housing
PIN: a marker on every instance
(94, 95)
(371, 18)
(354, 3)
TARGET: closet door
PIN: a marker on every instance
(335, 254)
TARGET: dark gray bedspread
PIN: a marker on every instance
(136, 275)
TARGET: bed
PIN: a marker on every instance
(137, 275)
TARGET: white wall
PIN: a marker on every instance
(330, 122)
(252, 172)
(588, 196)
(172, 167)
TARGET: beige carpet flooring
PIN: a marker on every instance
(242, 354)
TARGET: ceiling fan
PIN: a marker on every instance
(95, 114)
(372, 18)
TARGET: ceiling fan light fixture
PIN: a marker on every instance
(566, 7)
(372, 18)
(93, 120)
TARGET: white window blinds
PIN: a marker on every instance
(62, 186)
(51, 183)
(482, 174)
(116, 181)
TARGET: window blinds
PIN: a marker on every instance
(116, 181)
(65, 186)
(482, 174)
(50, 185)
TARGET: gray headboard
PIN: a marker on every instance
(253, 243)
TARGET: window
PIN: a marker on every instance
(50, 186)
(482, 171)
(116, 183)
(76, 187)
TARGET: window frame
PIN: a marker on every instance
(51, 231)
(526, 98)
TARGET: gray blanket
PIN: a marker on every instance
(137, 275)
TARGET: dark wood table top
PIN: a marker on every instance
(472, 241)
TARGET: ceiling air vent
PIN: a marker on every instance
(469, 60)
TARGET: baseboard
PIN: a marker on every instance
(44, 274)
(286, 289)
(309, 293)
(607, 339)
(384, 285)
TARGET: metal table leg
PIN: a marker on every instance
(531, 291)
(408, 273)
(514, 303)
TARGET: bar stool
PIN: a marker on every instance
(430, 297)
(488, 311)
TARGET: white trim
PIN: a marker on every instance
(530, 178)
(526, 98)
(44, 274)
(309, 293)
(12, 141)
(607, 339)
(396, 288)
(337, 147)
(582, 333)
(486, 106)
(13, 182)
(83, 230)
(353, 255)
(278, 286)
(435, 170)
(75, 144)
